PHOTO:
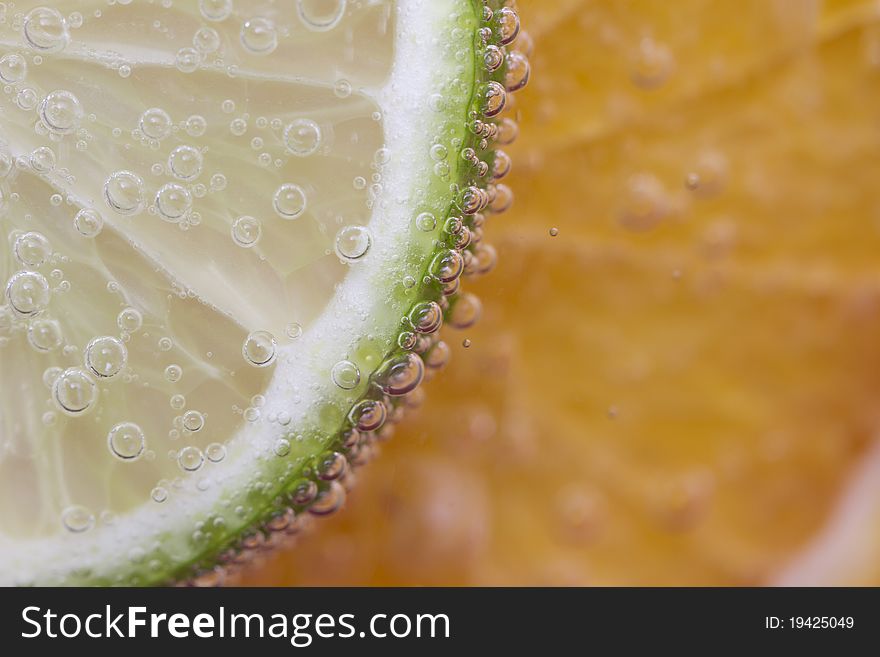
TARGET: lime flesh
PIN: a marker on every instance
(232, 231)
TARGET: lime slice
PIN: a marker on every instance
(234, 229)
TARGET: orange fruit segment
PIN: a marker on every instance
(675, 378)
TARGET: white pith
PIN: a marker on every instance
(423, 66)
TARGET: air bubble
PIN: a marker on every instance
(494, 99)
(517, 72)
(426, 317)
(493, 58)
(346, 375)
(159, 494)
(368, 415)
(193, 421)
(106, 356)
(155, 123)
(61, 112)
(173, 201)
(124, 192)
(187, 60)
(216, 10)
(447, 266)
(173, 373)
(196, 125)
(26, 99)
(401, 374)
(465, 311)
(77, 519)
(281, 447)
(426, 222)
(293, 330)
(45, 29)
(88, 222)
(289, 201)
(302, 137)
(190, 459)
(177, 402)
(27, 293)
(165, 344)
(352, 243)
(13, 68)
(32, 249)
(259, 348)
(342, 88)
(44, 334)
(185, 162)
(246, 231)
(74, 391)
(321, 15)
(215, 452)
(258, 35)
(43, 159)
(508, 25)
(238, 126)
(126, 441)
(206, 40)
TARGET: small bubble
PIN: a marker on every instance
(218, 182)
(177, 402)
(215, 452)
(426, 222)
(124, 192)
(321, 15)
(293, 330)
(258, 35)
(61, 112)
(155, 123)
(13, 68)
(106, 356)
(259, 348)
(196, 125)
(32, 249)
(466, 343)
(173, 201)
(302, 137)
(126, 441)
(238, 126)
(185, 162)
(251, 414)
(129, 320)
(74, 391)
(27, 293)
(165, 344)
(45, 29)
(352, 243)
(50, 375)
(554, 232)
(342, 88)
(289, 201)
(193, 421)
(653, 64)
(187, 60)
(368, 415)
(159, 494)
(190, 459)
(43, 159)
(44, 334)
(206, 40)
(173, 373)
(77, 519)
(215, 10)
(246, 231)
(346, 375)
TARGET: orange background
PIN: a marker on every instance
(681, 387)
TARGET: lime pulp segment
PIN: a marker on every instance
(233, 232)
